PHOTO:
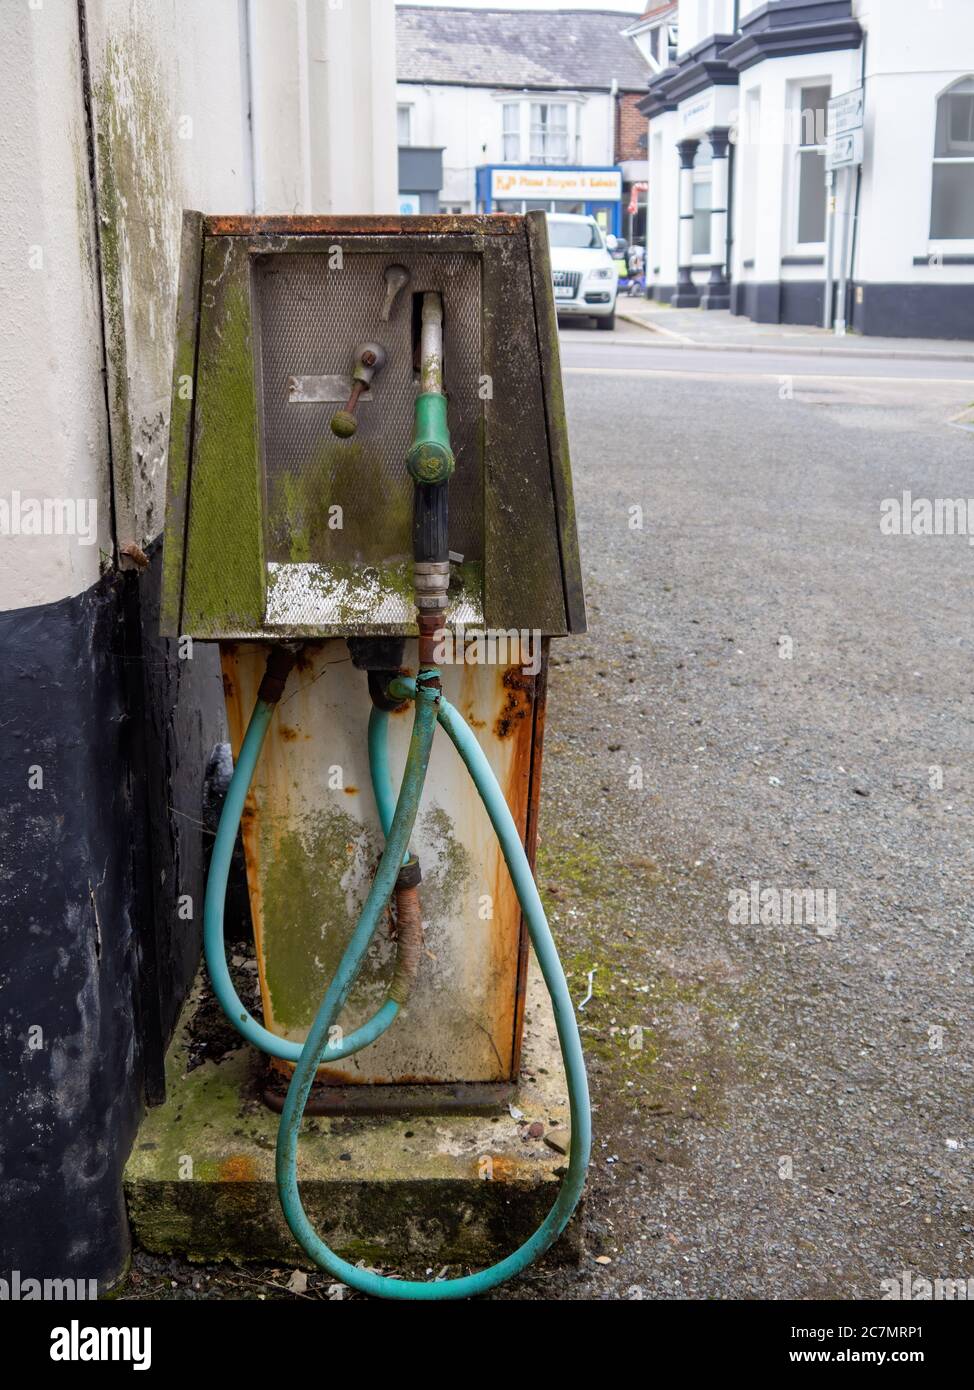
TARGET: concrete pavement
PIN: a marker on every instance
(719, 330)
(773, 693)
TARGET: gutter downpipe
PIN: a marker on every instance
(249, 36)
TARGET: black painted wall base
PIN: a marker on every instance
(779, 301)
(915, 311)
(886, 311)
(716, 297)
(105, 739)
(69, 1031)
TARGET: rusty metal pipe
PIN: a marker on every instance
(409, 944)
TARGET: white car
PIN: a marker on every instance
(585, 278)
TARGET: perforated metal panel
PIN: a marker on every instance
(310, 316)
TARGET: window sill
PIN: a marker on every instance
(803, 260)
(933, 260)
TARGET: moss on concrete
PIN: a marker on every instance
(667, 1038)
(384, 1189)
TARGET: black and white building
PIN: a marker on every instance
(763, 202)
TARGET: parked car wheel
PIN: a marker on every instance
(609, 321)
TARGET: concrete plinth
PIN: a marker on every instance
(392, 1190)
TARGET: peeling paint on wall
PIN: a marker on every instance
(138, 225)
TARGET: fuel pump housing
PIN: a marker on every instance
(294, 459)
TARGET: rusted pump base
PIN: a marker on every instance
(400, 1191)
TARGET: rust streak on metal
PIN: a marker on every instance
(530, 842)
(430, 636)
(518, 701)
(487, 224)
(243, 669)
(238, 1168)
(515, 696)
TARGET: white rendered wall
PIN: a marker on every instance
(911, 59)
(171, 83)
(765, 193)
(664, 200)
(54, 439)
(698, 19)
(690, 121)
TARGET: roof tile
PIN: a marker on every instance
(556, 49)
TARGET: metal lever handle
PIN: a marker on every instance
(395, 277)
(369, 359)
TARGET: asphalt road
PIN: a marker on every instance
(783, 1109)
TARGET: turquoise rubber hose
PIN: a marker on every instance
(397, 825)
(214, 948)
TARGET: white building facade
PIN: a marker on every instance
(481, 126)
(745, 212)
(524, 105)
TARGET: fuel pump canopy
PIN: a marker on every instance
(290, 503)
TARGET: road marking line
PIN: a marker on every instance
(764, 376)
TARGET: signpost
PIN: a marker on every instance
(844, 152)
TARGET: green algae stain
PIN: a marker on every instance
(224, 562)
(448, 873)
(315, 883)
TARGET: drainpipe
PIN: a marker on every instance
(304, 77)
(829, 249)
(248, 29)
(855, 211)
(613, 127)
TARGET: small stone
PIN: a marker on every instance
(558, 1140)
(536, 1130)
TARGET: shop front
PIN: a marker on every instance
(596, 191)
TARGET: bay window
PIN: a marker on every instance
(952, 200)
(511, 128)
(702, 198)
(810, 187)
(549, 132)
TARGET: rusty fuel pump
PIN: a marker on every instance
(368, 482)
